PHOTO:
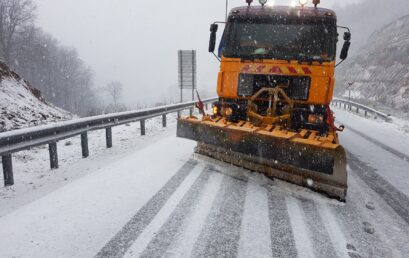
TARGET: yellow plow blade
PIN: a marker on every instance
(274, 152)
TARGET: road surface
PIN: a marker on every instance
(164, 201)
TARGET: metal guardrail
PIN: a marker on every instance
(350, 105)
(24, 139)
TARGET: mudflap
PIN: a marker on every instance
(321, 169)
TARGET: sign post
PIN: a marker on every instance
(187, 72)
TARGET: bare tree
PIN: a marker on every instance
(114, 90)
(14, 14)
(57, 71)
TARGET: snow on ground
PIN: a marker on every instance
(150, 196)
(391, 168)
(214, 210)
(84, 212)
(394, 134)
(19, 107)
(34, 178)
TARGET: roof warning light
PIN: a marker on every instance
(303, 2)
(263, 2)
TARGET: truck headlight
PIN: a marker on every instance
(315, 119)
(228, 111)
(246, 85)
(215, 110)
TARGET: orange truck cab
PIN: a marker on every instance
(289, 47)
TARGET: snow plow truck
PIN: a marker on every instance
(275, 86)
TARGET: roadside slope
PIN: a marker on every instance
(380, 70)
(21, 105)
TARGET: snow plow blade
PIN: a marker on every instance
(289, 156)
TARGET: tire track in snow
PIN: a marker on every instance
(124, 239)
(395, 152)
(255, 228)
(352, 219)
(391, 230)
(320, 238)
(184, 244)
(221, 233)
(336, 235)
(167, 233)
(299, 227)
(282, 238)
(163, 215)
(390, 194)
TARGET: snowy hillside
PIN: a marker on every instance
(22, 105)
(380, 70)
(365, 16)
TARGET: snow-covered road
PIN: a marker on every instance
(160, 200)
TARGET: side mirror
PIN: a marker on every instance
(345, 47)
(345, 50)
(347, 36)
(212, 42)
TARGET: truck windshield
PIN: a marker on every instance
(287, 41)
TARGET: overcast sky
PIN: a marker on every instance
(135, 41)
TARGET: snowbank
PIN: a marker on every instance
(21, 105)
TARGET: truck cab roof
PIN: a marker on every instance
(277, 12)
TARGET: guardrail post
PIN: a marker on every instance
(366, 113)
(108, 134)
(84, 145)
(179, 114)
(52, 148)
(7, 170)
(143, 131)
(345, 105)
(350, 107)
(191, 111)
(207, 106)
(164, 120)
(357, 110)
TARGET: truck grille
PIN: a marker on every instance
(296, 87)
